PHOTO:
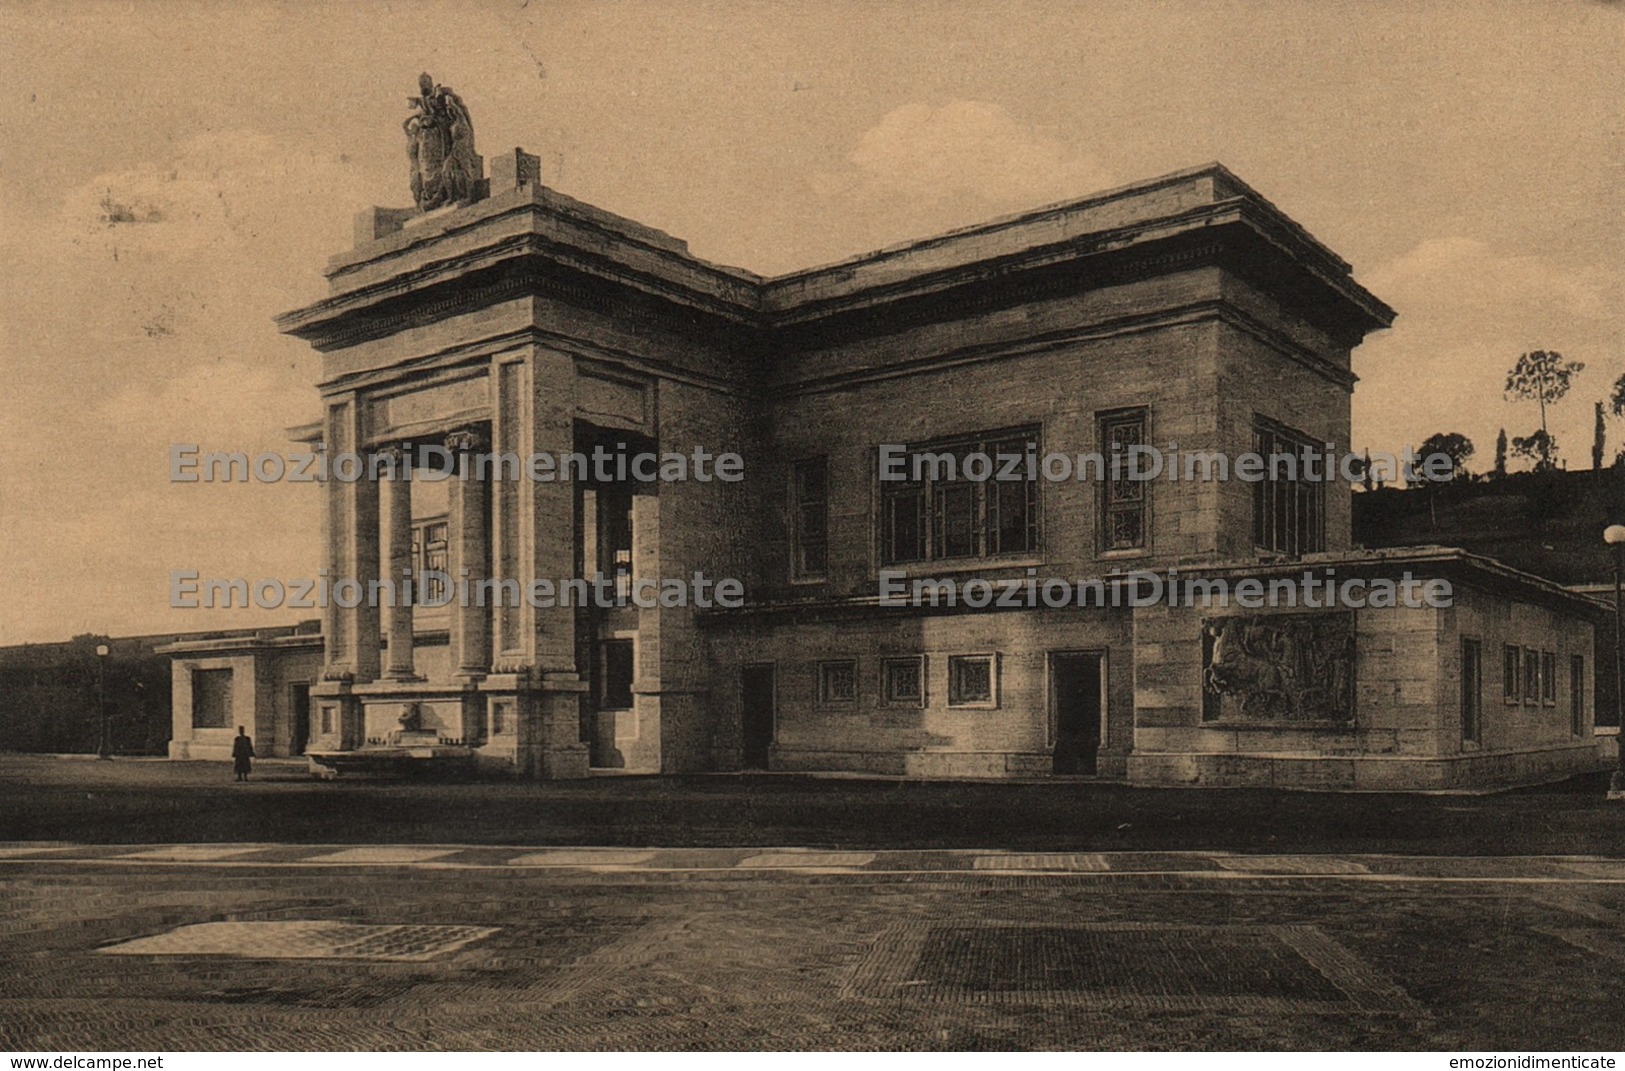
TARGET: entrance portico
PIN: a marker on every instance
(460, 344)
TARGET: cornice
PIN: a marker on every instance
(751, 319)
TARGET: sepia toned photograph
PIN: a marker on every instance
(861, 526)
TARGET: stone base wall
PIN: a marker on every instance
(1364, 773)
(936, 765)
(1010, 736)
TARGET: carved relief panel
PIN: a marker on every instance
(1282, 668)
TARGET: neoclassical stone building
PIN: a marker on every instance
(1185, 309)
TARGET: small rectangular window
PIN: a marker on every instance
(1531, 675)
(1577, 694)
(971, 681)
(1548, 678)
(1511, 661)
(1472, 691)
(903, 681)
(838, 682)
(810, 532)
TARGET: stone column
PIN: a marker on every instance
(352, 632)
(398, 552)
(468, 529)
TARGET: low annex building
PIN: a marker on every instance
(1185, 309)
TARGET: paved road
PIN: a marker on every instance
(154, 946)
(140, 802)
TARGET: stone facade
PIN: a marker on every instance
(259, 680)
(1184, 310)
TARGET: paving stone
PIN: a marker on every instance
(304, 940)
(1290, 864)
(777, 860)
(1607, 869)
(583, 857)
(1043, 861)
(190, 853)
(383, 855)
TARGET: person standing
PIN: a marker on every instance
(242, 754)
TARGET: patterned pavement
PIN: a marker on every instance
(1555, 869)
(259, 946)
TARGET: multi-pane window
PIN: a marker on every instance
(902, 681)
(809, 493)
(1289, 514)
(1511, 662)
(970, 681)
(838, 682)
(1531, 675)
(1122, 496)
(1472, 690)
(1577, 694)
(614, 533)
(1548, 678)
(430, 552)
(970, 497)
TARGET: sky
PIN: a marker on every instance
(176, 173)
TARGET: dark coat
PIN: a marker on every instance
(242, 750)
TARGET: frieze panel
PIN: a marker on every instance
(1279, 668)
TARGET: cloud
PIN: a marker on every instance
(141, 317)
(969, 147)
(1466, 311)
(922, 170)
(1465, 272)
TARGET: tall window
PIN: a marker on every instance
(615, 676)
(1531, 675)
(1548, 678)
(613, 506)
(962, 498)
(430, 551)
(1577, 694)
(1289, 515)
(1122, 498)
(809, 493)
(1511, 662)
(1472, 691)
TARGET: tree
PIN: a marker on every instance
(1542, 376)
(1539, 447)
(1599, 439)
(1452, 444)
(1616, 405)
(1501, 453)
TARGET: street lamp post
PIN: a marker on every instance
(1614, 536)
(105, 751)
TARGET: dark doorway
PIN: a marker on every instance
(299, 718)
(1075, 691)
(756, 687)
